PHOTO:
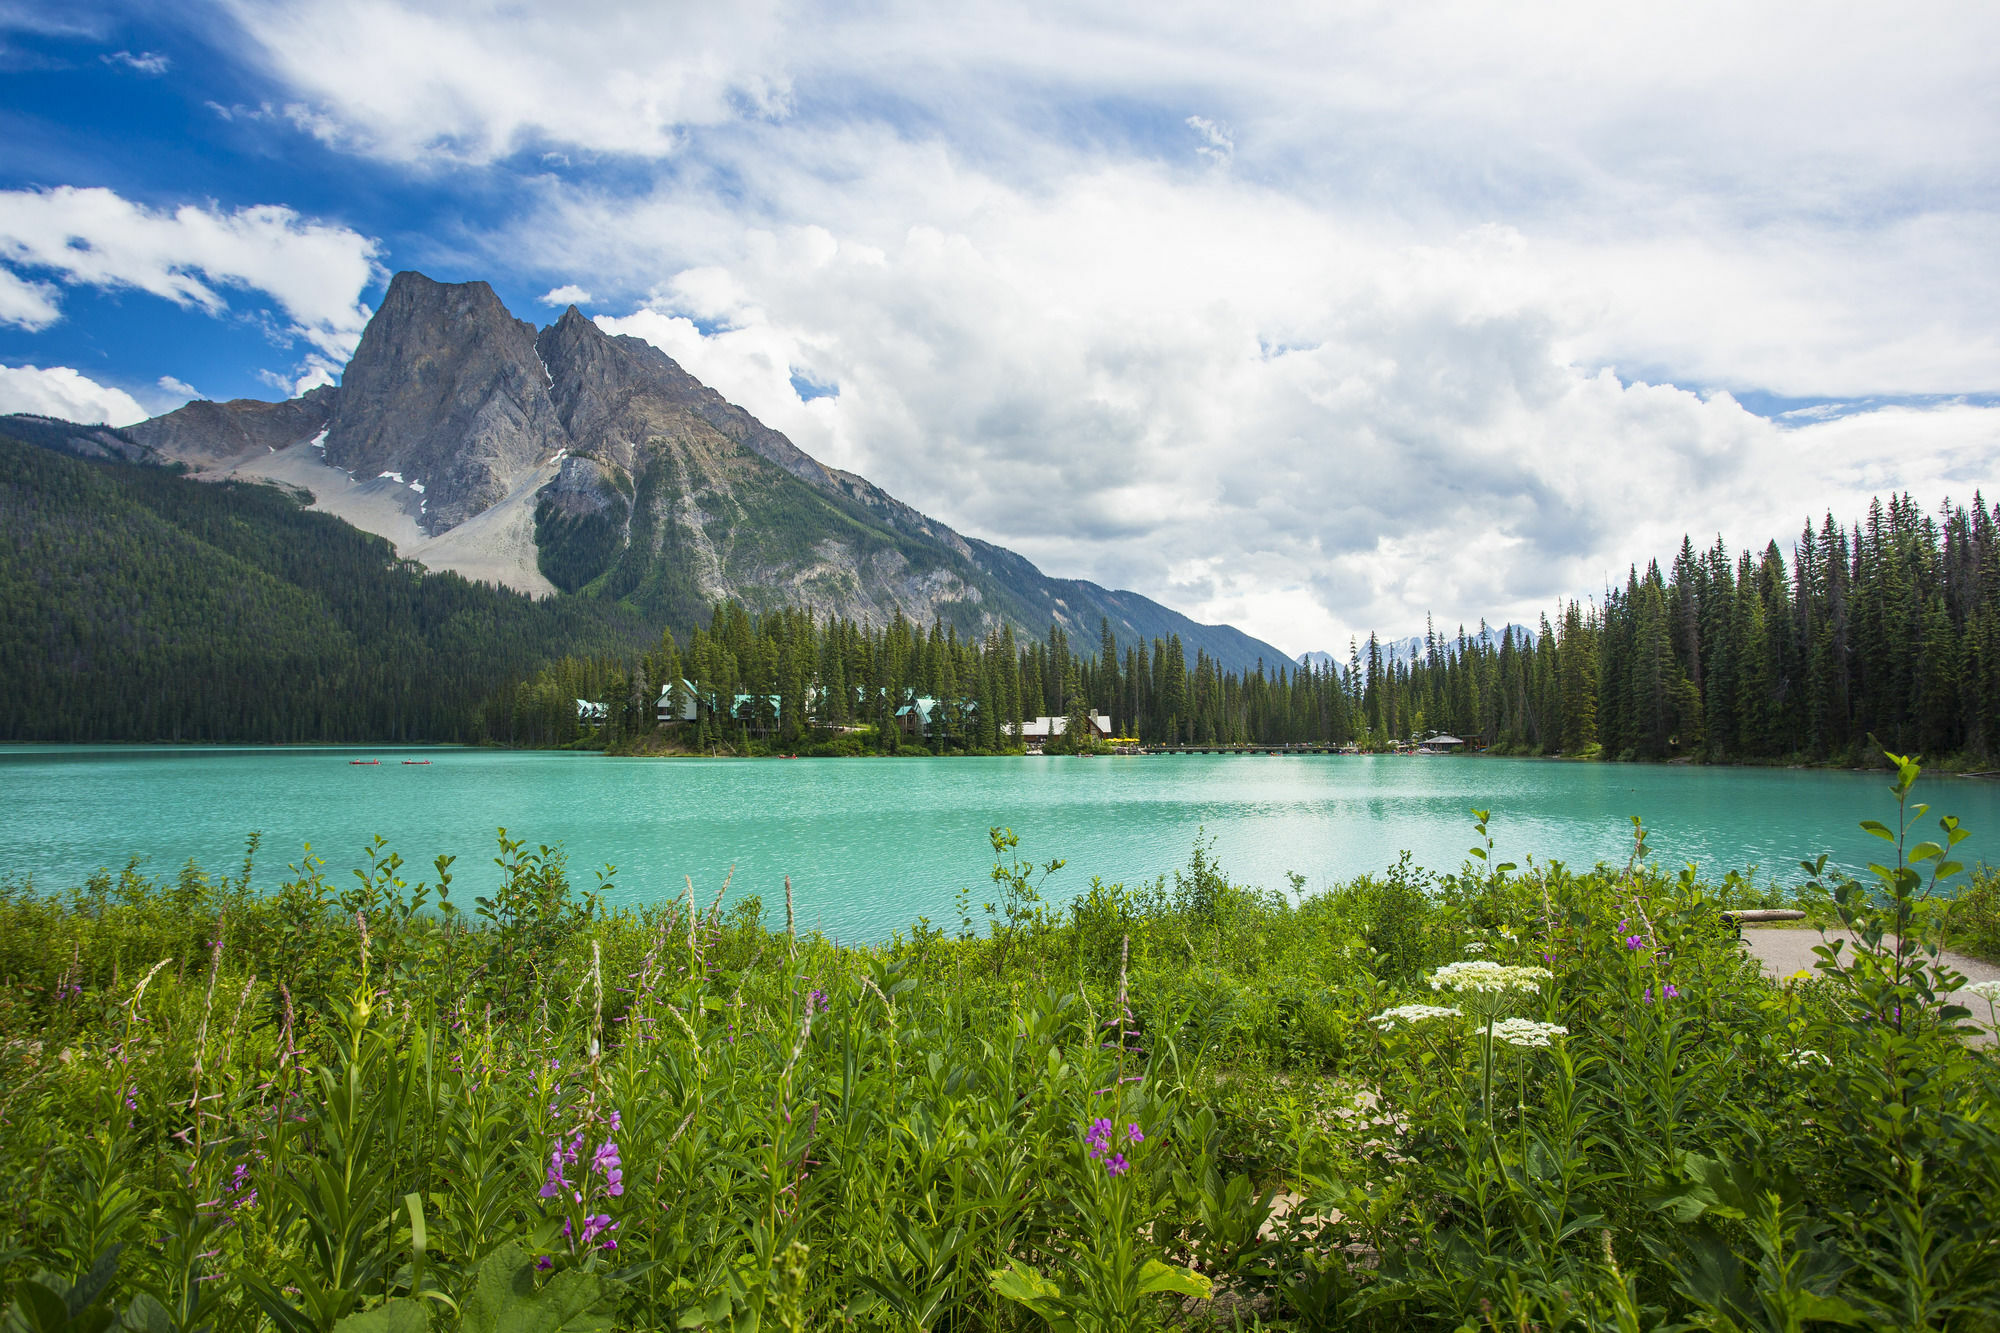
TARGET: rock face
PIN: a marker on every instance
(597, 465)
(205, 434)
(445, 390)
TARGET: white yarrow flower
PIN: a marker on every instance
(1527, 1032)
(1806, 1059)
(1988, 991)
(1411, 1013)
(1484, 976)
(1476, 946)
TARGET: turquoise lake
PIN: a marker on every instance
(873, 844)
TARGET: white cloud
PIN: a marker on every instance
(315, 373)
(569, 294)
(29, 305)
(313, 271)
(59, 391)
(145, 62)
(180, 389)
(1216, 144)
(1457, 329)
(424, 80)
(1238, 404)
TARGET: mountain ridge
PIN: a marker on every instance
(569, 459)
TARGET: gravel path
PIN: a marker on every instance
(1784, 951)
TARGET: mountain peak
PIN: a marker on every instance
(445, 389)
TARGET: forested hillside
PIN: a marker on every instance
(137, 605)
(1891, 627)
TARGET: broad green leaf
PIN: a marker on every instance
(35, 1307)
(1156, 1276)
(403, 1315)
(1024, 1286)
(506, 1299)
(1830, 1309)
(1879, 829)
(146, 1315)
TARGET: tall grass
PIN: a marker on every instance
(369, 1105)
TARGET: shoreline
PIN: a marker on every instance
(1940, 768)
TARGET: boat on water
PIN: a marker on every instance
(364, 761)
(416, 761)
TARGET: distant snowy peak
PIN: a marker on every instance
(1412, 649)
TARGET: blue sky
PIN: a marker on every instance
(1313, 320)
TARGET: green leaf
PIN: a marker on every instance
(146, 1315)
(36, 1307)
(505, 1298)
(1156, 1276)
(1830, 1309)
(1879, 829)
(1024, 1286)
(1683, 1203)
(405, 1314)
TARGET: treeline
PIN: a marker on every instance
(137, 605)
(1890, 628)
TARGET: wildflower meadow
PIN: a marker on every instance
(1520, 1096)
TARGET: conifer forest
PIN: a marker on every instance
(1889, 627)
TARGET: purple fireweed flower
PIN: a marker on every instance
(543, 1263)
(1671, 991)
(606, 1164)
(615, 1121)
(596, 1225)
(556, 1183)
(1117, 1166)
(1133, 1134)
(1635, 941)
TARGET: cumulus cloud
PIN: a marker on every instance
(313, 271)
(59, 391)
(1232, 401)
(1466, 325)
(180, 388)
(568, 294)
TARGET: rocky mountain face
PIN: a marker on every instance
(568, 459)
(446, 387)
(205, 434)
